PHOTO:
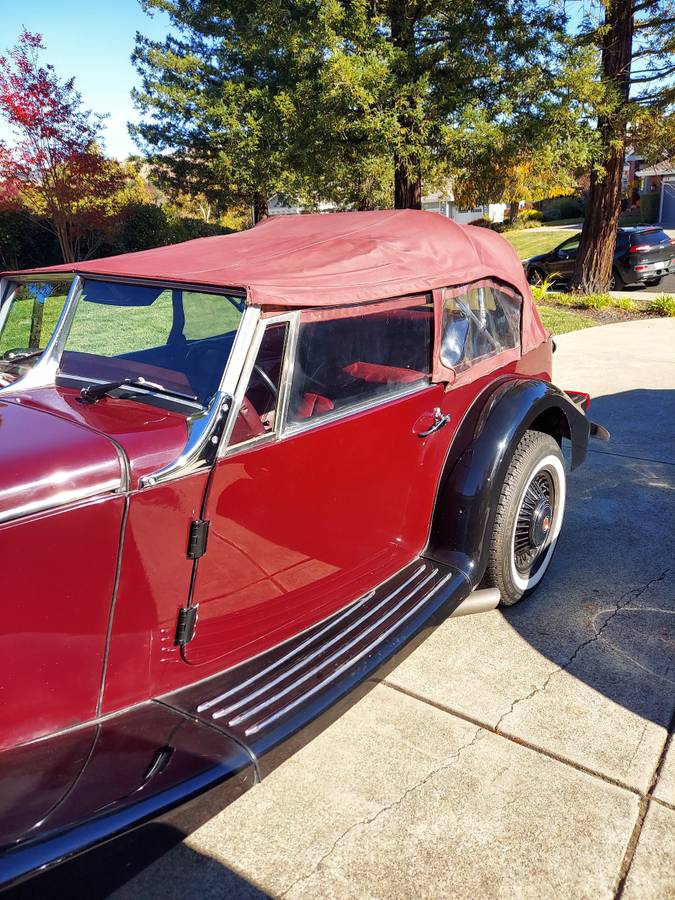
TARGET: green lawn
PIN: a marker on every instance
(559, 321)
(531, 241)
(116, 330)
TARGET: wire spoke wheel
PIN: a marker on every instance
(533, 522)
(528, 519)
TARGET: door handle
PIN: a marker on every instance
(439, 421)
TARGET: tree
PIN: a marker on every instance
(636, 43)
(331, 99)
(60, 172)
(220, 95)
(527, 153)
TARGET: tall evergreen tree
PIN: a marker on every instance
(636, 43)
(330, 99)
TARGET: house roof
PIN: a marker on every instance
(323, 260)
(665, 167)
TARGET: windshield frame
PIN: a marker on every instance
(205, 425)
(46, 370)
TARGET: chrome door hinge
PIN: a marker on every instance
(197, 538)
(187, 619)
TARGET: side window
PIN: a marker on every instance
(569, 249)
(479, 323)
(346, 361)
(258, 411)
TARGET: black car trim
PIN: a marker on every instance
(480, 455)
(148, 748)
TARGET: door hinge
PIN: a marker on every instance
(199, 533)
(187, 619)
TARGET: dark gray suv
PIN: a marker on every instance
(643, 256)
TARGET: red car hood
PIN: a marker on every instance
(148, 437)
(46, 461)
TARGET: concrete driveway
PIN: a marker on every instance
(521, 753)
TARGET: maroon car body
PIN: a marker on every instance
(238, 476)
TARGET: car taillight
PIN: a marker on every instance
(638, 249)
(671, 241)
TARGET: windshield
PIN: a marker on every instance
(174, 339)
(27, 322)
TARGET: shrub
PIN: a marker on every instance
(664, 305)
(626, 305)
(26, 241)
(592, 301)
(649, 207)
(482, 223)
(530, 215)
(562, 208)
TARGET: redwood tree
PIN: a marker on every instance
(636, 39)
(55, 162)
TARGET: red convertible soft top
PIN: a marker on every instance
(333, 259)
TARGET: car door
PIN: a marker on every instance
(326, 487)
(564, 258)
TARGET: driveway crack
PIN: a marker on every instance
(623, 601)
(447, 763)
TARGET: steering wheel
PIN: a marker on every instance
(268, 381)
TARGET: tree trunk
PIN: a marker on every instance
(407, 169)
(514, 209)
(407, 184)
(260, 207)
(593, 267)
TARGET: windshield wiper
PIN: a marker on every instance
(93, 392)
(19, 355)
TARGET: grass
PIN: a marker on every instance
(532, 241)
(560, 321)
(114, 330)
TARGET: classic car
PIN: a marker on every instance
(240, 476)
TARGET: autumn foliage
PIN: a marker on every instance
(55, 167)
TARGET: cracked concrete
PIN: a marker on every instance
(522, 753)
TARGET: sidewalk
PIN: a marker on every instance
(521, 753)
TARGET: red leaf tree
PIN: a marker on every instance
(55, 164)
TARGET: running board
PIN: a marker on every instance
(262, 702)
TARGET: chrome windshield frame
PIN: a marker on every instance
(204, 428)
(43, 373)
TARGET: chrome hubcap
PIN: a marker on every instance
(533, 524)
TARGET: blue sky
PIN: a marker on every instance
(92, 41)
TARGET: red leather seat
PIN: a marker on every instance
(311, 404)
(379, 374)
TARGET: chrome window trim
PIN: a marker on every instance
(43, 373)
(8, 285)
(375, 402)
(227, 449)
(206, 430)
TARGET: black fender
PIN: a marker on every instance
(478, 460)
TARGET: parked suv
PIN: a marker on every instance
(643, 256)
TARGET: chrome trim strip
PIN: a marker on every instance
(61, 499)
(320, 649)
(338, 414)
(261, 706)
(8, 285)
(275, 665)
(259, 726)
(227, 449)
(43, 373)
